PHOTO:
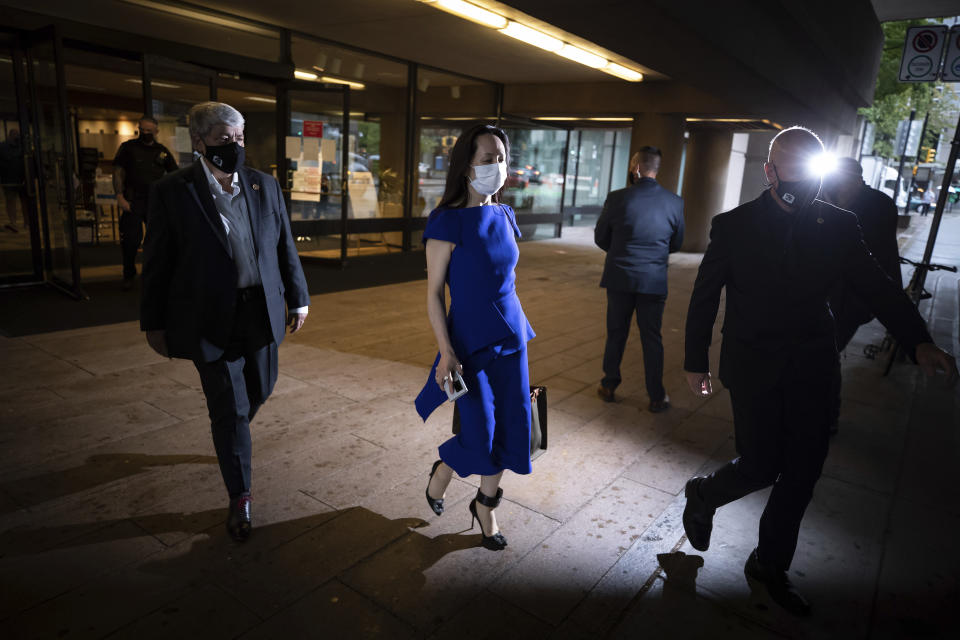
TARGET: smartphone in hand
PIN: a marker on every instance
(455, 386)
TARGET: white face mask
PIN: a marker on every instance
(490, 178)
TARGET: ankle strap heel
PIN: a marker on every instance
(487, 501)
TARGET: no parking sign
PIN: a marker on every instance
(922, 52)
(951, 65)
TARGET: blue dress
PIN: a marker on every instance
(489, 334)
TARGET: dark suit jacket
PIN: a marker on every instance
(778, 269)
(640, 226)
(878, 219)
(189, 277)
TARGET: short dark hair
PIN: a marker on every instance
(849, 166)
(646, 159)
(455, 191)
(146, 118)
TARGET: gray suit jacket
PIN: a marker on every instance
(189, 277)
(639, 228)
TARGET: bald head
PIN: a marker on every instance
(793, 153)
(795, 144)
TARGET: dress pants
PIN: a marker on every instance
(131, 236)
(621, 306)
(782, 440)
(236, 385)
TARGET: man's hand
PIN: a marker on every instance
(158, 342)
(123, 202)
(295, 321)
(933, 360)
(700, 383)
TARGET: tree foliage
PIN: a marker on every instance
(893, 99)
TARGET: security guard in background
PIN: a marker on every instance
(778, 258)
(877, 214)
(138, 164)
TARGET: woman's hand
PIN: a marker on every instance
(445, 368)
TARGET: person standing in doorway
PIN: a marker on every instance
(138, 164)
(221, 281)
(471, 245)
(639, 228)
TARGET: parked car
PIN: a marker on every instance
(517, 177)
(533, 174)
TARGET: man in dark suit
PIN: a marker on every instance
(877, 213)
(639, 228)
(220, 273)
(778, 258)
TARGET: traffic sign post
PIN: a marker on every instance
(922, 52)
(951, 63)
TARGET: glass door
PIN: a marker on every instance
(53, 153)
(21, 259)
(173, 87)
(317, 159)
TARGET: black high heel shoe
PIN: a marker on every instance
(436, 505)
(496, 542)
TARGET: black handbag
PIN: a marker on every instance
(538, 419)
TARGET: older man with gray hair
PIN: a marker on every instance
(221, 282)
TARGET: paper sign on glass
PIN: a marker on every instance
(328, 149)
(311, 148)
(293, 147)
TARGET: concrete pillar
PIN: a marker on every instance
(704, 184)
(754, 180)
(666, 133)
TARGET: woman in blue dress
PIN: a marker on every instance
(471, 246)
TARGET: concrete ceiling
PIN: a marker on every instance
(888, 10)
(401, 28)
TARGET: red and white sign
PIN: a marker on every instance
(312, 128)
(922, 51)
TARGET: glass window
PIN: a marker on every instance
(105, 94)
(535, 175)
(314, 145)
(377, 137)
(175, 88)
(597, 164)
(445, 104)
(257, 101)
(16, 249)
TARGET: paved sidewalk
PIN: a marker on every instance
(112, 507)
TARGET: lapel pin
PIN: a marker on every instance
(819, 220)
(256, 187)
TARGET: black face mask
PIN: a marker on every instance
(146, 138)
(226, 157)
(797, 193)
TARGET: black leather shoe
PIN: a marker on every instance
(239, 525)
(697, 517)
(435, 503)
(778, 585)
(496, 542)
(658, 406)
(606, 393)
